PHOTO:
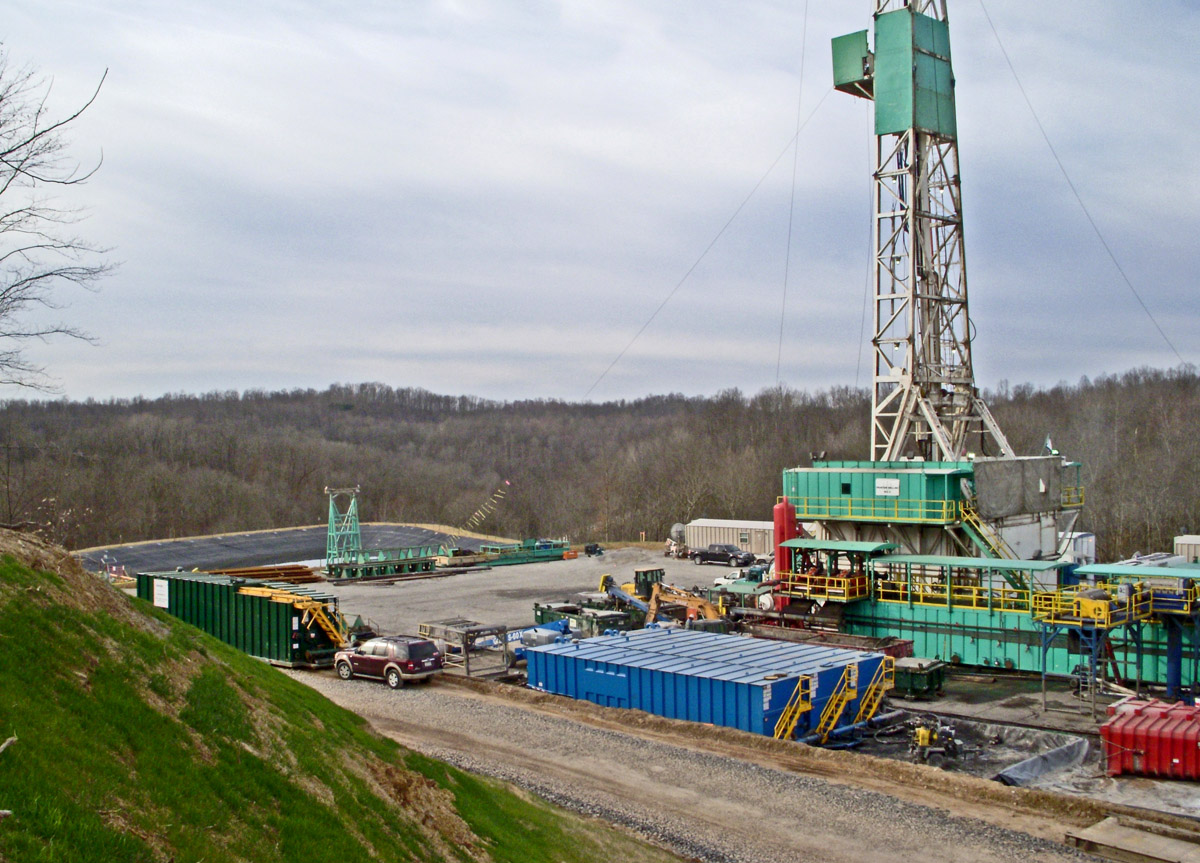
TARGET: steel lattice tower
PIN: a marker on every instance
(924, 400)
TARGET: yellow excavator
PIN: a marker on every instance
(696, 605)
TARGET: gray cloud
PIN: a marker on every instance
(492, 197)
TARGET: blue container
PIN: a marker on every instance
(725, 680)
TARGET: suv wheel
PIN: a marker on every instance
(696, 560)
(344, 670)
(733, 561)
(394, 679)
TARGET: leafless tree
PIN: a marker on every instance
(39, 251)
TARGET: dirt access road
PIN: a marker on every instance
(712, 793)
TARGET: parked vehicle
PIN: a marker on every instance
(730, 555)
(392, 658)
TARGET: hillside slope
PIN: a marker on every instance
(139, 738)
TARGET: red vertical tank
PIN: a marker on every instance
(785, 529)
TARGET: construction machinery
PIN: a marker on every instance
(628, 593)
(696, 606)
(933, 743)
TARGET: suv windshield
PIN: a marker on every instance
(421, 650)
(733, 549)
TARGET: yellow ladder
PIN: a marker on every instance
(337, 634)
(845, 692)
(881, 682)
(799, 704)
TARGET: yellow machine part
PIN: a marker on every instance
(1094, 609)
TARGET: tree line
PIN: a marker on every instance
(100, 472)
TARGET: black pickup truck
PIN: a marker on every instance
(730, 555)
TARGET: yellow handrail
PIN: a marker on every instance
(845, 692)
(799, 702)
(933, 511)
(1067, 607)
(883, 680)
(961, 596)
(840, 586)
(995, 541)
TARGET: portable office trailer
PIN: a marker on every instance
(757, 537)
(1188, 547)
(726, 680)
(269, 627)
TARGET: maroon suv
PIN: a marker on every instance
(394, 658)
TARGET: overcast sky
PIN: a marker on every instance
(494, 197)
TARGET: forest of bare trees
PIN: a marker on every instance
(92, 473)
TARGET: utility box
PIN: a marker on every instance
(919, 678)
(852, 65)
(914, 84)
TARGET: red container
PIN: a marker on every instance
(785, 529)
(1152, 738)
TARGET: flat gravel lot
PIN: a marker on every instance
(505, 594)
(703, 805)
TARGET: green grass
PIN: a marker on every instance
(155, 742)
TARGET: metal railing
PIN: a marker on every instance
(959, 596)
(877, 509)
(1067, 607)
(845, 692)
(799, 703)
(970, 517)
(839, 586)
(883, 680)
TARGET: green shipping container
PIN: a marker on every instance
(258, 625)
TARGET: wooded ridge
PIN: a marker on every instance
(94, 473)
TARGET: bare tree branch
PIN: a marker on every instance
(37, 253)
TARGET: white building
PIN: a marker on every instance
(757, 537)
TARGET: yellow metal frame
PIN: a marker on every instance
(839, 587)
(799, 703)
(912, 510)
(1066, 607)
(1072, 497)
(970, 517)
(883, 680)
(845, 692)
(925, 591)
(1166, 599)
(314, 611)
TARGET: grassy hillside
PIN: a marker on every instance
(139, 738)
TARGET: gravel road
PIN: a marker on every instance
(700, 804)
(505, 594)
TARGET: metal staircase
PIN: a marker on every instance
(314, 611)
(798, 704)
(986, 537)
(881, 682)
(845, 692)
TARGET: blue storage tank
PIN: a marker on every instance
(726, 680)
